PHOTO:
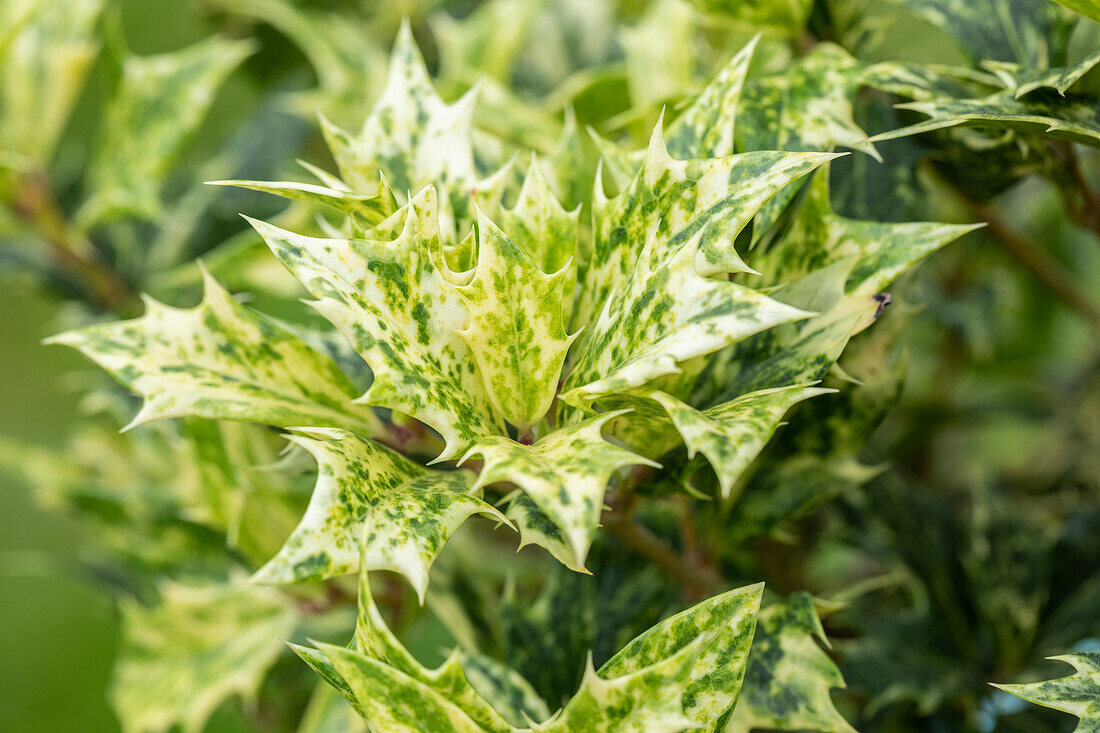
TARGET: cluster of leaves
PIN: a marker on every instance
(586, 335)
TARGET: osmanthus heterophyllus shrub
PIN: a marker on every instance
(546, 361)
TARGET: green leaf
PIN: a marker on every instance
(1023, 80)
(46, 50)
(329, 712)
(706, 128)
(789, 676)
(221, 360)
(395, 304)
(515, 328)
(406, 511)
(657, 247)
(564, 475)
(1077, 694)
(504, 688)
(414, 138)
(1032, 33)
(1087, 8)
(785, 15)
(726, 623)
(159, 105)
(649, 700)
(732, 434)
(658, 53)
(182, 658)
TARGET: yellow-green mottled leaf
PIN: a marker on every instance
(1077, 694)
(647, 700)
(515, 327)
(200, 645)
(725, 624)
(415, 139)
(1022, 80)
(705, 129)
(564, 475)
(789, 675)
(730, 435)
(159, 104)
(504, 688)
(393, 301)
(222, 360)
(405, 512)
(658, 246)
(366, 210)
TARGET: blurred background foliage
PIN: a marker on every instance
(968, 554)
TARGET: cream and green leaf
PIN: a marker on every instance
(1078, 694)
(200, 645)
(407, 512)
(222, 360)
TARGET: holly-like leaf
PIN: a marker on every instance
(221, 360)
(200, 645)
(564, 475)
(706, 128)
(649, 700)
(789, 675)
(393, 301)
(414, 138)
(365, 210)
(160, 103)
(1023, 80)
(504, 689)
(657, 247)
(1077, 694)
(730, 435)
(1061, 119)
(726, 622)
(1032, 33)
(406, 511)
(515, 328)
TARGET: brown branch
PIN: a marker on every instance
(1039, 263)
(34, 203)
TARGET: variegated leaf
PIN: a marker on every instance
(1071, 120)
(789, 676)
(515, 328)
(222, 360)
(405, 512)
(414, 138)
(182, 658)
(564, 475)
(1033, 34)
(365, 210)
(648, 700)
(657, 246)
(730, 435)
(158, 106)
(706, 128)
(504, 689)
(1023, 80)
(725, 624)
(540, 225)
(1077, 694)
(395, 304)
